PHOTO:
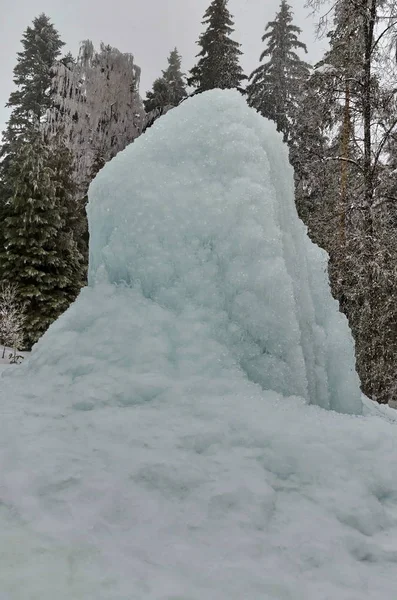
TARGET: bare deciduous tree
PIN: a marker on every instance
(355, 130)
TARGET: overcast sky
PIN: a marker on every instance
(149, 30)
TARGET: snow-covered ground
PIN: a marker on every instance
(159, 443)
(378, 410)
(210, 489)
(3, 366)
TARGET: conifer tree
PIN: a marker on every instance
(276, 85)
(68, 60)
(159, 96)
(96, 98)
(30, 101)
(40, 255)
(218, 65)
(32, 76)
(175, 78)
(170, 89)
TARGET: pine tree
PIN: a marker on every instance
(40, 255)
(32, 76)
(218, 65)
(170, 89)
(30, 101)
(175, 78)
(68, 60)
(96, 99)
(159, 97)
(276, 85)
(98, 110)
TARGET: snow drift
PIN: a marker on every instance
(159, 443)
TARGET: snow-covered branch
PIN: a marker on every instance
(12, 320)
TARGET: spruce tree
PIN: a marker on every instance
(32, 76)
(218, 65)
(40, 255)
(30, 101)
(159, 97)
(97, 100)
(175, 78)
(276, 85)
(68, 60)
(170, 89)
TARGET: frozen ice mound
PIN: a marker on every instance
(159, 443)
(199, 217)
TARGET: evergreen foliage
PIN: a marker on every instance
(40, 255)
(97, 105)
(32, 76)
(68, 60)
(30, 101)
(158, 97)
(218, 65)
(170, 89)
(175, 78)
(276, 85)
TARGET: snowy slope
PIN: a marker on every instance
(140, 459)
(205, 489)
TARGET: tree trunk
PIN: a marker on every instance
(344, 165)
(367, 346)
(369, 15)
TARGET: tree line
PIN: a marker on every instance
(70, 115)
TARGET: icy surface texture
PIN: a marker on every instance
(137, 459)
(199, 216)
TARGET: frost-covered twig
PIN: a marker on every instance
(12, 320)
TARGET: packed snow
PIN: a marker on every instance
(163, 441)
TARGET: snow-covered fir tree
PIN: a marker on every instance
(219, 59)
(175, 78)
(32, 77)
(276, 85)
(97, 101)
(158, 98)
(40, 255)
(169, 89)
(32, 99)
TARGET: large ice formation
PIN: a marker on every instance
(160, 444)
(199, 218)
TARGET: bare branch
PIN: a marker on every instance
(344, 159)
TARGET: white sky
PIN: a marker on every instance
(149, 30)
